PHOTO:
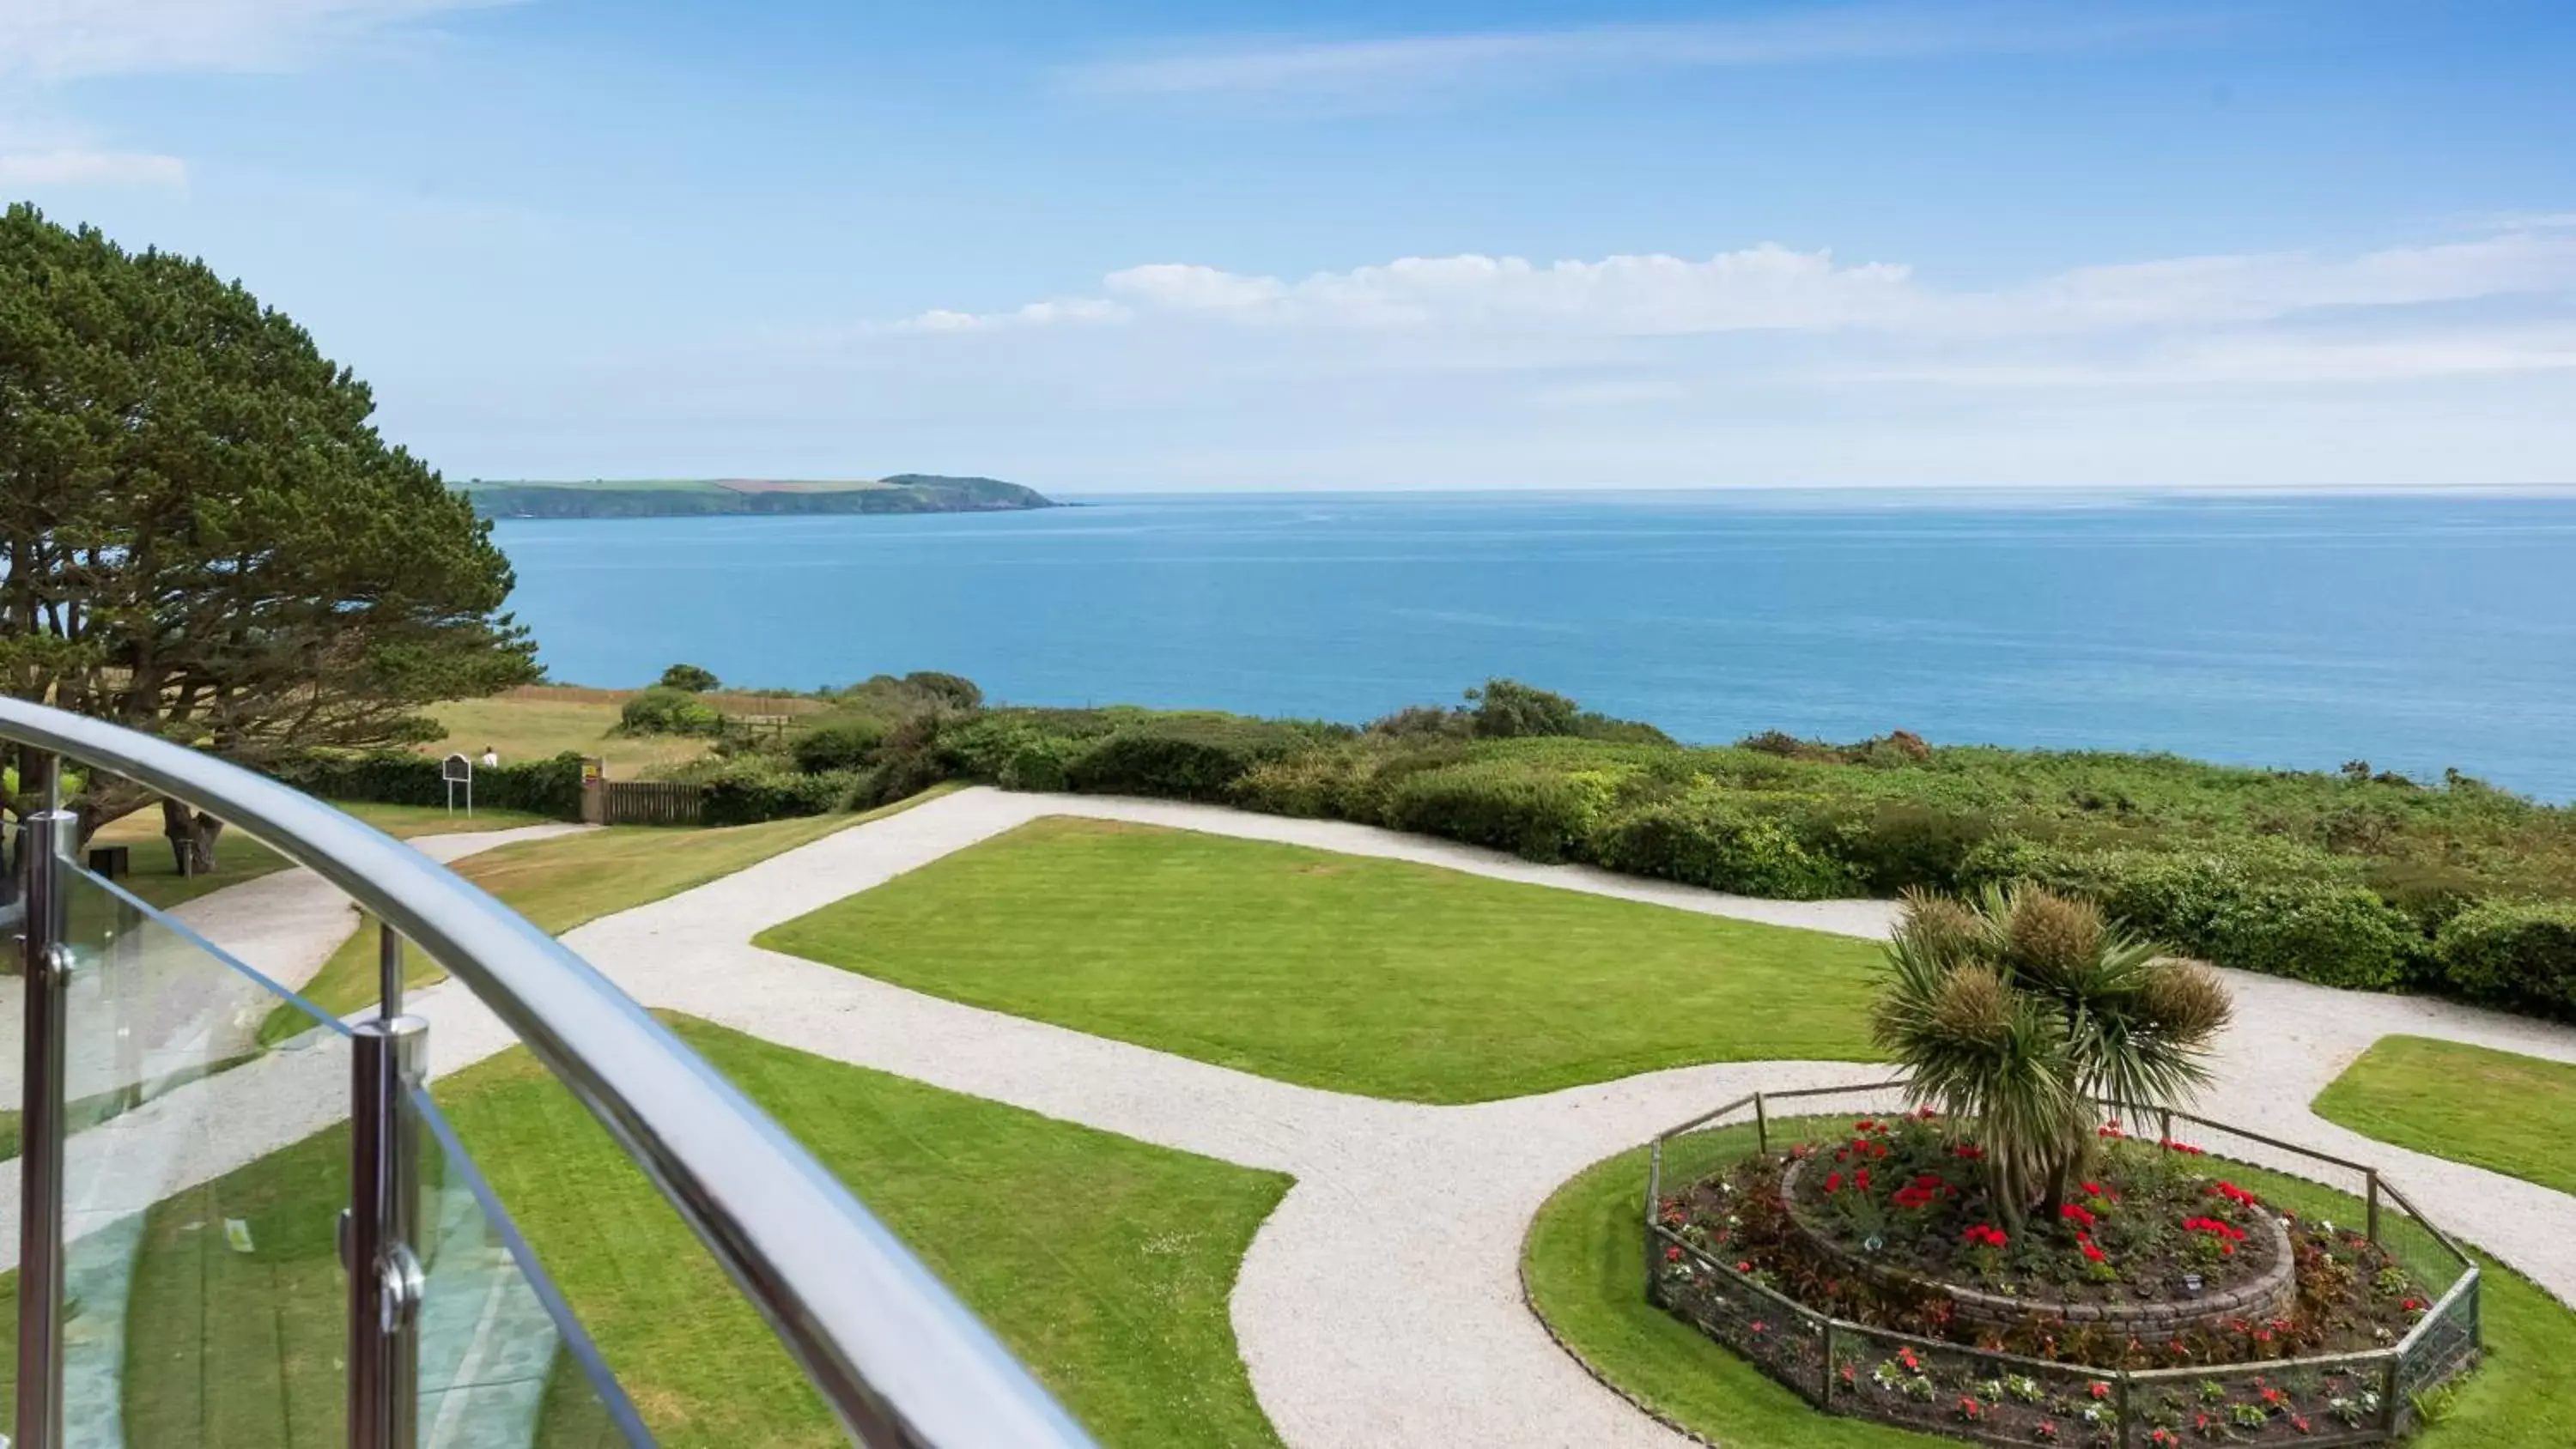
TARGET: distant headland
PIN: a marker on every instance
(687, 497)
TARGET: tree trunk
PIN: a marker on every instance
(192, 837)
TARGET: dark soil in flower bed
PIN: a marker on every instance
(2140, 1221)
(2142, 1229)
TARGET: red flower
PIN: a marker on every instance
(1860, 1179)
(2094, 1254)
(1672, 1255)
(1986, 1235)
(2074, 1213)
(1833, 1182)
(1971, 1151)
(1744, 1267)
(2100, 1390)
(2228, 1234)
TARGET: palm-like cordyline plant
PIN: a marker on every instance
(2018, 1012)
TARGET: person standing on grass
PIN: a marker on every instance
(490, 758)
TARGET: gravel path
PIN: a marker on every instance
(1379, 1305)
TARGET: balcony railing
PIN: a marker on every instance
(143, 1085)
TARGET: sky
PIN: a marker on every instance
(1112, 247)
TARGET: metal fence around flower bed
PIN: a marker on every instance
(1844, 1367)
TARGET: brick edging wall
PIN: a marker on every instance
(2268, 1296)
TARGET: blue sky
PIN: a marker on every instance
(1137, 246)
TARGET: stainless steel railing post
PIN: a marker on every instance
(389, 1058)
(47, 837)
(389, 970)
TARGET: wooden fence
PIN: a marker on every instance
(647, 802)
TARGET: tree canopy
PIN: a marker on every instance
(203, 536)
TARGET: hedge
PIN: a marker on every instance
(1182, 757)
(2521, 957)
(2273, 909)
(540, 787)
(839, 744)
(1541, 817)
(747, 793)
(1723, 846)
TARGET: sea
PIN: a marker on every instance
(2420, 633)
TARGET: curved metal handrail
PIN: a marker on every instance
(895, 1355)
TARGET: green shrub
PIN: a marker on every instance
(1314, 784)
(540, 787)
(688, 678)
(1535, 814)
(2334, 935)
(1037, 767)
(955, 691)
(2277, 909)
(665, 711)
(910, 761)
(2518, 956)
(1183, 757)
(843, 743)
(1506, 709)
(746, 792)
(889, 698)
(1900, 845)
(980, 748)
(1724, 846)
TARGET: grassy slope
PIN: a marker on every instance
(1372, 976)
(1104, 1262)
(2492, 1109)
(1584, 1260)
(238, 857)
(567, 880)
(540, 724)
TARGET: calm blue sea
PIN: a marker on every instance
(2417, 633)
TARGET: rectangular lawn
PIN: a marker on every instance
(2498, 1110)
(1372, 976)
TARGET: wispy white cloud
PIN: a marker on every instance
(1761, 287)
(55, 40)
(1771, 288)
(1366, 70)
(91, 168)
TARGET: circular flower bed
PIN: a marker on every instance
(1888, 1228)
(2161, 1298)
(2145, 1245)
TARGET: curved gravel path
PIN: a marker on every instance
(1379, 1305)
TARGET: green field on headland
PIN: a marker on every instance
(686, 497)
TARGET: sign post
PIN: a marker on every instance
(457, 770)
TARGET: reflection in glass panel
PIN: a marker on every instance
(502, 1360)
(203, 1181)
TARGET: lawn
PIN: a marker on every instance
(2497, 1110)
(239, 857)
(1372, 976)
(1105, 1263)
(1583, 1266)
(564, 881)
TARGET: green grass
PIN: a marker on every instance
(1372, 976)
(1583, 1265)
(238, 857)
(2497, 1110)
(1105, 1263)
(565, 881)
